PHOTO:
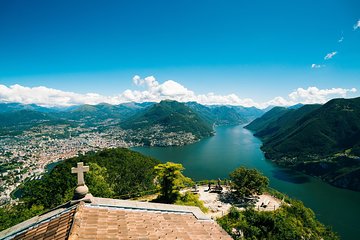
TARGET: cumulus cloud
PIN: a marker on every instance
(317, 65)
(230, 99)
(330, 55)
(137, 80)
(153, 91)
(357, 25)
(48, 96)
(314, 95)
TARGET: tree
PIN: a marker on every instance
(170, 180)
(96, 179)
(14, 214)
(246, 182)
(113, 173)
(292, 221)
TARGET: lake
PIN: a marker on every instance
(234, 146)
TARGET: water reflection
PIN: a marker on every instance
(234, 146)
(290, 176)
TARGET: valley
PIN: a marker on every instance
(170, 130)
(235, 146)
(34, 136)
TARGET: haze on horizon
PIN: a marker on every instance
(258, 53)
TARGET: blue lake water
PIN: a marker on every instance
(234, 146)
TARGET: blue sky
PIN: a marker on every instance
(253, 49)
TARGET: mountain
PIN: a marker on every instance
(14, 107)
(320, 140)
(324, 130)
(22, 117)
(296, 106)
(203, 111)
(16, 117)
(271, 116)
(225, 115)
(106, 110)
(249, 113)
(172, 116)
(93, 114)
(278, 120)
(15, 122)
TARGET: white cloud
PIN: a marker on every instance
(330, 55)
(314, 95)
(172, 88)
(48, 96)
(357, 25)
(155, 92)
(341, 39)
(137, 80)
(317, 65)
(231, 99)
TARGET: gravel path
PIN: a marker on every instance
(219, 205)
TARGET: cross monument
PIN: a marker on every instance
(81, 189)
(80, 172)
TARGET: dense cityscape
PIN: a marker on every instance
(25, 157)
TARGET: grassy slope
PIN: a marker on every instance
(310, 139)
(172, 115)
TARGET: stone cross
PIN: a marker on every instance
(80, 172)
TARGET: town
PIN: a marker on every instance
(26, 156)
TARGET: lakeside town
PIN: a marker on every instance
(25, 157)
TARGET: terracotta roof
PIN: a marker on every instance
(103, 218)
(96, 222)
(48, 226)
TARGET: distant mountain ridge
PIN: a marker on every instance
(225, 115)
(13, 107)
(156, 121)
(218, 115)
(322, 140)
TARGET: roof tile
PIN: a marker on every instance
(99, 222)
(55, 227)
(118, 219)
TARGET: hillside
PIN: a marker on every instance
(123, 174)
(329, 129)
(13, 107)
(225, 115)
(22, 117)
(249, 113)
(271, 116)
(16, 118)
(168, 123)
(278, 120)
(170, 117)
(320, 140)
(115, 173)
(15, 122)
(92, 114)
